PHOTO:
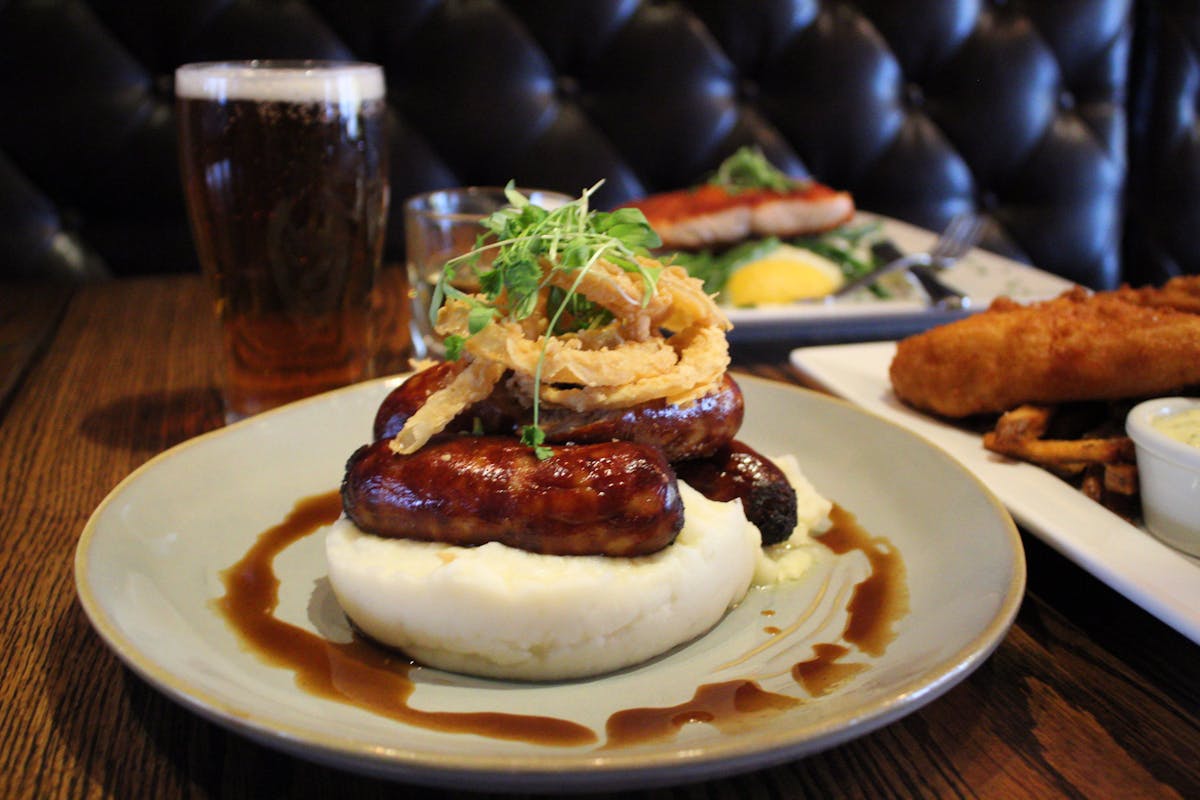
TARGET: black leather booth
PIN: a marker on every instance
(1071, 123)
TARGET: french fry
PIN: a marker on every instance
(1099, 460)
(1116, 450)
(1121, 478)
(1021, 425)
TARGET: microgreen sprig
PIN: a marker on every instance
(748, 168)
(528, 243)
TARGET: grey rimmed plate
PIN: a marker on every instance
(148, 567)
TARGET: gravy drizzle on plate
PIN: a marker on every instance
(363, 674)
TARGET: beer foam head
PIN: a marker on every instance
(286, 81)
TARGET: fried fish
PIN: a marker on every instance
(1078, 346)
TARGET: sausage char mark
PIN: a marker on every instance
(738, 471)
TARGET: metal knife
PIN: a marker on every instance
(941, 295)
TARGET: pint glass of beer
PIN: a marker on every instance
(285, 171)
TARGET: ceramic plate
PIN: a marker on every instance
(1163, 581)
(149, 561)
(982, 275)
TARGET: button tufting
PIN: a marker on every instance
(566, 86)
(863, 95)
(164, 85)
(914, 95)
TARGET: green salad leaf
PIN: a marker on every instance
(715, 267)
(847, 246)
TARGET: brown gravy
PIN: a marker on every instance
(363, 674)
(880, 600)
(356, 672)
(824, 671)
(727, 706)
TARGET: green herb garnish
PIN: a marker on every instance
(454, 345)
(529, 244)
(533, 436)
(748, 168)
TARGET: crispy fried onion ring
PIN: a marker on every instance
(678, 302)
(689, 304)
(474, 383)
(627, 362)
(621, 292)
(703, 356)
(588, 357)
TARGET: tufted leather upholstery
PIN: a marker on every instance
(1163, 238)
(921, 108)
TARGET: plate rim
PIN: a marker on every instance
(551, 770)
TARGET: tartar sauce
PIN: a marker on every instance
(1184, 426)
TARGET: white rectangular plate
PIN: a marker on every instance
(1163, 581)
(982, 275)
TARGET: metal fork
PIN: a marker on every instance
(959, 237)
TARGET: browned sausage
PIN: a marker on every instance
(403, 401)
(737, 470)
(682, 432)
(500, 413)
(616, 498)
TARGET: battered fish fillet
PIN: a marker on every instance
(1181, 293)
(1074, 347)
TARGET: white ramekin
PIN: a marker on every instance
(1168, 474)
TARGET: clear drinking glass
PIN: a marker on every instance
(284, 167)
(440, 225)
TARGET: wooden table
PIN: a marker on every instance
(1087, 696)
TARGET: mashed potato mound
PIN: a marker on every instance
(501, 612)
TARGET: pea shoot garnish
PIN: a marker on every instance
(528, 244)
(748, 168)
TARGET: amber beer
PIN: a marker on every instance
(285, 172)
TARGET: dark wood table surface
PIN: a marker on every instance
(1087, 695)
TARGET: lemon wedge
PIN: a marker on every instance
(784, 275)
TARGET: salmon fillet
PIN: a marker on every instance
(712, 215)
(1079, 346)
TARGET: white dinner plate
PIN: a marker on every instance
(981, 275)
(1125, 556)
(148, 569)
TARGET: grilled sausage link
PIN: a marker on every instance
(500, 413)
(738, 471)
(616, 498)
(681, 432)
